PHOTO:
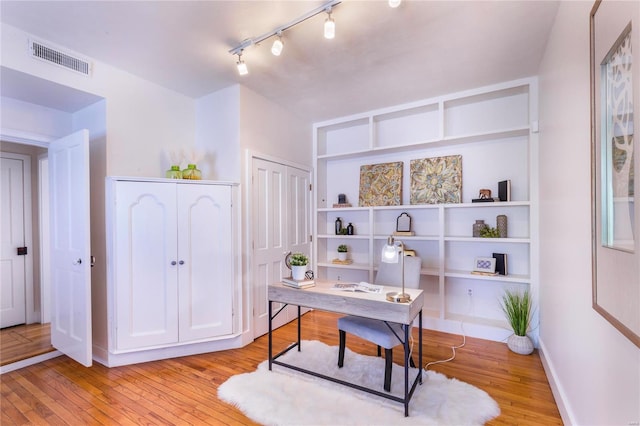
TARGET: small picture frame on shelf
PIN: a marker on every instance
(485, 264)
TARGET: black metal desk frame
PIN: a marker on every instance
(408, 391)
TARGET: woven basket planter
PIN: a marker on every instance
(520, 344)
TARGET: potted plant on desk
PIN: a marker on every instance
(299, 263)
(342, 252)
(517, 309)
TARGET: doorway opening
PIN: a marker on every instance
(29, 336)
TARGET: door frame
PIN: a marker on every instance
(250, 155)
(34, 314)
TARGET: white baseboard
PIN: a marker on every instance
(556, 387)
(29, 361)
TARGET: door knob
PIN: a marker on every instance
(174, 263)
(181, 262)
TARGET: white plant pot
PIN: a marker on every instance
(520, 344)
(342, 255)
(297, 272)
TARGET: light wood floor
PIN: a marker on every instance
(182, 391)
(24, 341)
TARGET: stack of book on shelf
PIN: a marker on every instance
(298, 283)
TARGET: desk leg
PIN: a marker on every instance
(270, 336)
(407, 331)
(420, 344)
(299, 327)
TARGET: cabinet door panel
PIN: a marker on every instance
(206, 248)
(146, 282)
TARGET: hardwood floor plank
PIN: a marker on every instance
(184, 390)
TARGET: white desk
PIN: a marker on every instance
(323, 297)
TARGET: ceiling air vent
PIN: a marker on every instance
(55, 56)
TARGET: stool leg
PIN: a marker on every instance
(388, 363)
(343, 341)
(379, 353)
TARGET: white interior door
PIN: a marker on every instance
(14, 218)
(70, 246)
(281, 206)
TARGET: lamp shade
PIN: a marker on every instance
(277, 46)
(390, 252)
(329, 28)
(242, 67)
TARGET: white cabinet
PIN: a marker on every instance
(171, 269)
(491, 128)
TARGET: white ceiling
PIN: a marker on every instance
(380, 56)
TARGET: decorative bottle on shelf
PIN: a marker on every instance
(350, 229)
(501, 224)
(191, 172)
(174, 173)
(338, 226)
(478, 226)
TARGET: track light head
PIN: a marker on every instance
(278, 45)
(329, 26)
(242, 67)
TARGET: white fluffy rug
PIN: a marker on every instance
(286, 397)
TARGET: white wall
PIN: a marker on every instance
(143, 119)
(217, 134)
(27, 117)
(594, 369)
(270, 129)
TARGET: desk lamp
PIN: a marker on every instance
(391, 253)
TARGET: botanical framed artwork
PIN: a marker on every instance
(436, 180)
(615, 214)
(381, 184)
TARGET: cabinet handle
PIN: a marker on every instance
(173, 263)
(77, 262)
(181, 262)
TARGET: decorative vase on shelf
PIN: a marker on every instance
(174, 173)
(501, 224)
(191, 172)
(350, 230)
(338, 226)
(478, 227)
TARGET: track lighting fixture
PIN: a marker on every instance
(242, 67)
(394, 3)
(277, 46)
(329, 26)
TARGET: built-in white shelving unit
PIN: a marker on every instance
(494, 129)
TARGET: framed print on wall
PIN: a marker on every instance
(381, 184)
(614, 30)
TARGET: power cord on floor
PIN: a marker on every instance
(464, 339)
(453, 350)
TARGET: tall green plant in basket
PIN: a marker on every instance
(517, 308)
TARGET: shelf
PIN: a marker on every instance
(432, 143)
(359, 266)
(523, 279)
(488, 240)
(351, 237)
(491, 128)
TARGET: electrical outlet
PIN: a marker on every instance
(470, 292)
